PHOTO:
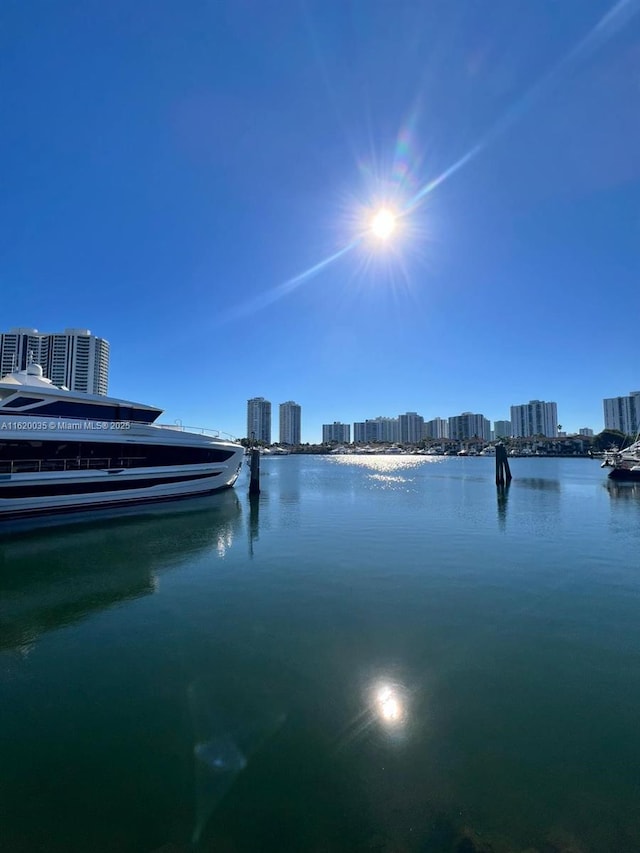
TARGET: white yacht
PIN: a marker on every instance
(63, 450)
(625, 463)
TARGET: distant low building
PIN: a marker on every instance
(336, 432)
(585, 431)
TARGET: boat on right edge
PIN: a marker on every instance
(625, 463)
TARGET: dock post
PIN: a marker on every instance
(254, 481)
(503, 472)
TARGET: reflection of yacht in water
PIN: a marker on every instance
(63, 450)
(623, 491)
(57, 576)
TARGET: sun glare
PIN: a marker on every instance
(389, 704)
(383, 224)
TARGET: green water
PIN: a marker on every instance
(381, 653)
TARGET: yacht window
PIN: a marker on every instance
(21, 402)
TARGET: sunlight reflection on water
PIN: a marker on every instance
(387, 471)
(385, 464)
(388, 479)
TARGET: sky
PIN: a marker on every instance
(195, 182)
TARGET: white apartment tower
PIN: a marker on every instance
(437, 428)
(290, 416)
(411, 427)
(623, 413)
(376, 430)
(469, 425)
(337, 431)
(502, 429)
(534, 418)
(259, 419)
(75, 358)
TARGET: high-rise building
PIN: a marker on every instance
(534, 418)
(290, 416)
(585, 431)
(259, 420)
(623, 413)
(376, 430)
(468, 425)
(75, 358)
(359, 432)
(437, 428)
(338, 432)
(411, 428)
(502, 429)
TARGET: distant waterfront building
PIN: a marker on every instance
(437, 428)
(388, 429)
(290, 418)
(376, 430)
(502, 429)
(259, 419)
(534, 418)
(585, 431)
(623, 413)
(336, 432)
(75, 358)
(410, 428)
(15, 346)
(468, 425)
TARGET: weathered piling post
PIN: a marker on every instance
(503, 472)
(254, 480)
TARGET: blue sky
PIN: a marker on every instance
(167, 167)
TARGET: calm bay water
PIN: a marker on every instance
(381, 653)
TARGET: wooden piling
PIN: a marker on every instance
(503, 472)
(254, 481)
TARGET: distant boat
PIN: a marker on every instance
(488, 451)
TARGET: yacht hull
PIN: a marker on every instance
(620, 473)
(29, 495)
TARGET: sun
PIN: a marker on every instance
(383, 223)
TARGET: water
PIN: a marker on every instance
(381, 653)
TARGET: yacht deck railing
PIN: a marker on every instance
(212, 433)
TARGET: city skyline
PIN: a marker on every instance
(83, 360)
(207, 202)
